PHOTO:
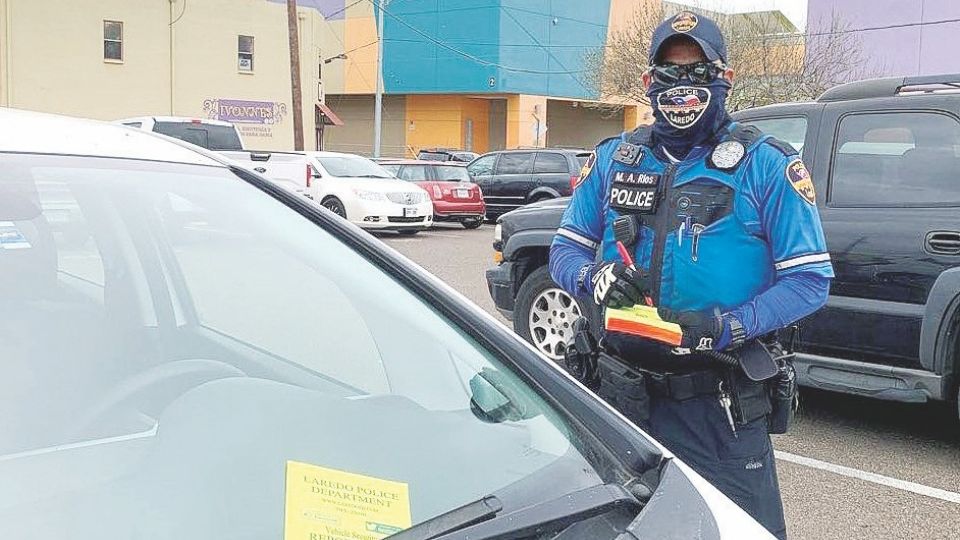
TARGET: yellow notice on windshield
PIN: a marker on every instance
(327, 504)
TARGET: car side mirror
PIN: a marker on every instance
(494, 398)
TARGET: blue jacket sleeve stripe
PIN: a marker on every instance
(802, 260)
(578, 238)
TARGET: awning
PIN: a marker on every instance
(329, 118)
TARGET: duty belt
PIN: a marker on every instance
(682, 386)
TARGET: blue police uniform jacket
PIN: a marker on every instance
(730, 232)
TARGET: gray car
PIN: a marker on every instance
(191, 352)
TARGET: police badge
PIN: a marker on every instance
(727, 155)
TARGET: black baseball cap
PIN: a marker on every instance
(700, 29)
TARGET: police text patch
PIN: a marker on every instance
(800, 180)
(634, 192)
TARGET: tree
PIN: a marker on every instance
(773, 62)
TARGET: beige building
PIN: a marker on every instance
(111, 59)
(229, 59)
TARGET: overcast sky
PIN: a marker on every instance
(795, 10)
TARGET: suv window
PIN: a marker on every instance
(515, 163)
(790, 129)
(896, 159)
(482, 166)
(209, 136)
(548, 162)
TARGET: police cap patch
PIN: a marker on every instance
(800, 180)
(685, 21)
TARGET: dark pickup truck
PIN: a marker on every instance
(885, 158)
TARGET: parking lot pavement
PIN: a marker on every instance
(852, 468)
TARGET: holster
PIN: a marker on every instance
(775, 397)
(623, 387)
(618, 383)
(784, 395)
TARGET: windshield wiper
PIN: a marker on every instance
(481, 519)
(371, 176)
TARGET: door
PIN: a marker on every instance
(551, 170)
(890, 216)
(513, 182)
(481, 172)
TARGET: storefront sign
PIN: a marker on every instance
(253, 118)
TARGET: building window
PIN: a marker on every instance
(245, 53)
(113, 40)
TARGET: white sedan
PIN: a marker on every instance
(366, 194)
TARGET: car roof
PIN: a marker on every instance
(178, 119)
(422, 162)
(777, 108)
(334, 154)
(42, 133)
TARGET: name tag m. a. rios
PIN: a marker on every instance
(634, 192)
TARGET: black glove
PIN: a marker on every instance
(617, 285)
(702, 330)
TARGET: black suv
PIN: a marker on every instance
(512, 178)
(885, 158)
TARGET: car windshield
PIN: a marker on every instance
(452, 173)
(209, 136)
(186, 357)
(352, 167)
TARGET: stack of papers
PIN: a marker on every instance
(643, 321)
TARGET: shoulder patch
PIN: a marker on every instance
(800, 180)
(585, 170)
(783, 146)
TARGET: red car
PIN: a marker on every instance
(455, 197)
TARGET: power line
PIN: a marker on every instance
(469, 56)
(374, 42)
(533, 38)
(339, 11)
(849, 30)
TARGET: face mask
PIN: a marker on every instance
(686, 115)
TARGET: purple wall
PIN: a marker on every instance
(925, 49)
(323, 6)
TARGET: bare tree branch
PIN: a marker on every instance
(771, 65)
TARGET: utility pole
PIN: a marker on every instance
(378, 113)
(292, 28)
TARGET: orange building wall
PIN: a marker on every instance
(477, 110)
(433, 120)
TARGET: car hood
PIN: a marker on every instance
(379, 185)
(684, 505)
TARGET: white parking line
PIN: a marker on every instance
(895, 483)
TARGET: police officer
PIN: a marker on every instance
(722, 225)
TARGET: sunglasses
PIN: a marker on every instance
(697, 72)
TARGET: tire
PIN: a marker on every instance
(541, 197)
(544, 314)
(408, 232)
(334, 205)
(473, 223)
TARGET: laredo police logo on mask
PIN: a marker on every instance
(684, 105)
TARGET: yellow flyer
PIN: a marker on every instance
(327, 504)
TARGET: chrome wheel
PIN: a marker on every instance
(551, 321)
